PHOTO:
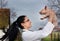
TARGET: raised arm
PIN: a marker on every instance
(41, 33)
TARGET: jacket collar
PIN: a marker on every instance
(25, 30)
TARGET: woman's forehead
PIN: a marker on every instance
(26, 18)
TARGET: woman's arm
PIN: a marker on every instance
(39, 34)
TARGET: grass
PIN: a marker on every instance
(54, 37)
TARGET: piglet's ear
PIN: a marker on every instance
(45, 7)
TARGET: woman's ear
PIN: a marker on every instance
(22, 24)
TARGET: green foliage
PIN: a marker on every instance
(55, 37)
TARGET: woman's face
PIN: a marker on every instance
(27, 23)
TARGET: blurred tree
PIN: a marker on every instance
(13, 15)
(3, 3)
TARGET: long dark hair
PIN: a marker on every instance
(13, 29)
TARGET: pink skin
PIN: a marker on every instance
(27, 23)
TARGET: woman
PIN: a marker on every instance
(36, 35)
(24, 23)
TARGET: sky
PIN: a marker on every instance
(31, 9)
